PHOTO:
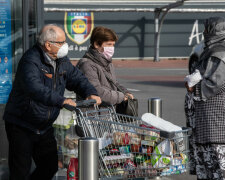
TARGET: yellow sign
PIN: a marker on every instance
(79, 26)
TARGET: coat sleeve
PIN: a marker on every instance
(122, 87)
(213, 79)
(107, 95)
(36, 90)
(78, 83)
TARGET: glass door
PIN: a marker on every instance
(20, 22)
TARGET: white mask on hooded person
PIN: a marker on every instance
(108, 52)
(63, 51)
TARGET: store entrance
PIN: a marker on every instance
(20, 22)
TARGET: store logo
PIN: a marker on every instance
(78, 26)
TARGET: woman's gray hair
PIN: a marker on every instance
(47, 33)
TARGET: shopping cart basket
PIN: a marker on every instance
(130, 148)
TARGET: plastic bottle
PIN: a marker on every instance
(72, 171)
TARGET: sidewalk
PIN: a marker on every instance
(148, 64)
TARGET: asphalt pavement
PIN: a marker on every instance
(165, 80)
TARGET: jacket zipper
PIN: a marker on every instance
(54, 86)
(49, 110)
(54, 80)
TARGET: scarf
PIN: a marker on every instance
(98, 58)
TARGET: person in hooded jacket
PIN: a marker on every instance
(97, 66)
(43, 73)
(205, 105)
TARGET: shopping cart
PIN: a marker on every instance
(130, 148)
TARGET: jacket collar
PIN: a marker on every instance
(44, 56)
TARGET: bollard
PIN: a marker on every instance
(88, 158)
(155, 106)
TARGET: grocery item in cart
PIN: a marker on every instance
(159, 123)
(144, 170)
(164, 125)
(173, 170)
(125, 149)
(150, 134)
(72, 171)
(129, 167)
(70, 142)
(64, 119)
(162, 153)
(124, 138)
(105, 140)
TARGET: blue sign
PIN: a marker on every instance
(5, 51)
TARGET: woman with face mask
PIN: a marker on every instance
(97, 66)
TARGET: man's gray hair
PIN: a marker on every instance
(47, 33)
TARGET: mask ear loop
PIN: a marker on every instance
(54, 54)
(54, 45)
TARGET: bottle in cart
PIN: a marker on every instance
(72, 171)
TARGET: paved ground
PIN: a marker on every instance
(164, 79)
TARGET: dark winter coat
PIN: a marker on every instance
(37, 92)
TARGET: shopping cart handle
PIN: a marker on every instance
(85, 103)
(80, 104)
(69, 107)
(105, 104)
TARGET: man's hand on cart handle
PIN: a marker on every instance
(69, 102)
(97, 98)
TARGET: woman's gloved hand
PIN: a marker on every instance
(193, 78)
(128, 95)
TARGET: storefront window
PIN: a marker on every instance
(17, 37)
(11, 49)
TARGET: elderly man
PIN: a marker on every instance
(34, 103)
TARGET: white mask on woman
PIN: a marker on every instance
(108, 52)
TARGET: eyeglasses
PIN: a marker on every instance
(58, 42)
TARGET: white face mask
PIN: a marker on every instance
(63, 51)
(108, 52)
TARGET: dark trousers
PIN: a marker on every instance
(25, 145)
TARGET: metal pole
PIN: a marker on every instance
(25, 5)
(155, 106)
(40, 12)
(88, 158)
(156, 42)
